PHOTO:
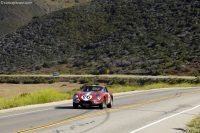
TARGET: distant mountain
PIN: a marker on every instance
(16, 15)
(122, 36)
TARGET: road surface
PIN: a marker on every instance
(154, 111)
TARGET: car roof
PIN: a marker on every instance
(95, 85)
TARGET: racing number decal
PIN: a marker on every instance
(86, 97)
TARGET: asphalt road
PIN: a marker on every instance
(155, 111)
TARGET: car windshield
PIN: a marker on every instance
(92, 88)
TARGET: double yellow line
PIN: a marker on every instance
(103, 112)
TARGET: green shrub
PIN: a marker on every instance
(84, 81)
(194, 125)
(51, 81)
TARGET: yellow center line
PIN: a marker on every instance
(103, 112)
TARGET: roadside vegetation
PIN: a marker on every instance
(43, 96)
(194, 125)
(95, 79)
(50, 95)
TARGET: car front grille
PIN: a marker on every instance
(87, 102)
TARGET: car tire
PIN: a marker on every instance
(75, 105)
(103, 104)
(110, 104)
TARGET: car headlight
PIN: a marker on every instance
(75, 96)
(98, 97)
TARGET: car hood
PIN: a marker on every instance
(93, 93)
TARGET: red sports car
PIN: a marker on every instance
(93, 95)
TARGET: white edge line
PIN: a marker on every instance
(139, 129)
(25, 113)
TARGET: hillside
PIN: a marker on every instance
(129, 37)
(14, 16)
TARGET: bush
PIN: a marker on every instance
(84, 81)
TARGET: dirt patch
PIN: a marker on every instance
(10, 90)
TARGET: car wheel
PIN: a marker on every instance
(103, 104)
(75, 105)
(110, 104)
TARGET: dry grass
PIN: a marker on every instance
(10, 90)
